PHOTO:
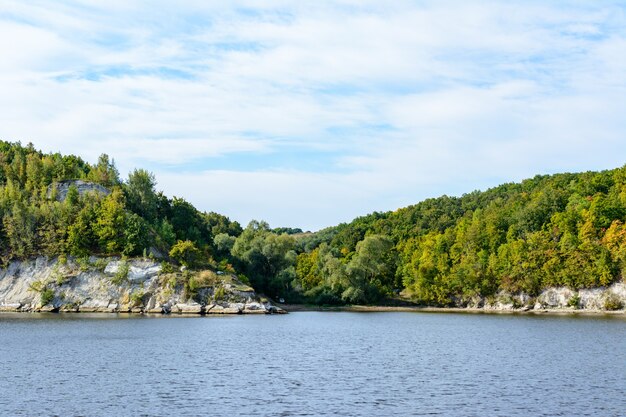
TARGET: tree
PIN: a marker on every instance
(136, 235)
(185, 253)
(110, 223)
(81, 237)
(265, 256)
(371, 272)
(104, 172)
(224, 243)
(141, 197)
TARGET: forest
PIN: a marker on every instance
(552, 230)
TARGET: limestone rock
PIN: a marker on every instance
(226, 308)
(254, 308)
(187, 308)
(94, 306)
(91, 289)
(10, 307)
(556, 297)
(83, 187)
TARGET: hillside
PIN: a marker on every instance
(564, 230)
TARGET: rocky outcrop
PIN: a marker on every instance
(113, 285)
(60, 189)
(612, 298)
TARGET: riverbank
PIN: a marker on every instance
(556, 300)
(469, 310)
(115, 285)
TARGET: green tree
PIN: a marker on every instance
(104, 173)
(110, 223)
(186, 253)
(140, 194)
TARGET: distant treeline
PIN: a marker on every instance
(565, 229)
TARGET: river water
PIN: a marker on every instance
(312, 363)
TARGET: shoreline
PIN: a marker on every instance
(468, 310)
(298, 308)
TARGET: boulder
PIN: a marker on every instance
(187, 308)
(10, 307)
(254, 308)
(94, 306)
(226, 308)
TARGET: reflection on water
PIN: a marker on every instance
(312, 363)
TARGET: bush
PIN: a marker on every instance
(83, 263)
(219, 294)
(136, 297)
(574, 301)
(167, 268)
(59, 278)
(202, 279)
(243, 279)
(100, 264)
(37, 286)
(185, 253)
(612, 302)
(46, 295)
(121, 276)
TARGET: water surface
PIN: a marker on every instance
(312, 363)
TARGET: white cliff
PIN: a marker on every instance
(116, 285)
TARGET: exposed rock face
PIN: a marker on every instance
(83, 188)
(114, 285)
(555, 297)
(562, 298)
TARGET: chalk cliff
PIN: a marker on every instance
(116, 285)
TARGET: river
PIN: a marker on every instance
(313, 364)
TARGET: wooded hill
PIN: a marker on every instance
(558, 230)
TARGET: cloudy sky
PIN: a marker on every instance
(307, 114)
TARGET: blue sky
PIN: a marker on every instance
(307, 114)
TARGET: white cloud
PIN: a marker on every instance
(410, 101)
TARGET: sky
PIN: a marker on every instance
(311, 113)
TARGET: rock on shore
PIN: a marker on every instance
(612, 298)
(112, 285)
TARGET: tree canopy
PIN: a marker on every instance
(558, 230)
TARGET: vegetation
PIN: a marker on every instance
(130, 220)
(121, 276)
(560, 230)
(612, 302)
(47, 295)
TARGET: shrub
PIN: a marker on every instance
(136, 297)
(121, 276)
(612, 302)
(243, 279)
(219, 294)
(574, 301)
(167, 268)
(37, 286)
(202, 279)
(59, 278)
(186, 253)
(46, 295)
(83, 263)
(100, 264)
